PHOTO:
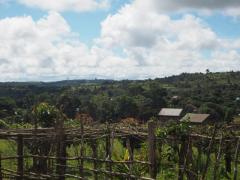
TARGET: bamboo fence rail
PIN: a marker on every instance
(104, 167)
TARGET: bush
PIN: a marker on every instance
(3, 124)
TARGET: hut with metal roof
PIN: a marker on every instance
(197, 118)
(168, 114)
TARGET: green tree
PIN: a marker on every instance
(7, 107)
(46, 114)
(216, 111)
(104, 107)
(126, 107)
(68, 104)
(157, 94)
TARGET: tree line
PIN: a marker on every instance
(106, 100)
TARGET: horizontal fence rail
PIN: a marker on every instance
(48, 152)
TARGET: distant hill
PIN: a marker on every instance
(214, 93)
(218, 77)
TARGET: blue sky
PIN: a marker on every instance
(87, 24)
(116, 39)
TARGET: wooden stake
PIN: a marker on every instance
(228, 158)
(61, 150)
(236, 160)
(95, 156)
(152, 149)
(209, 153)
(188, 161)
(63, 155)
(109, 146)
(20, 163)
(35, 146)
(82, 150)
(182, 156)
(218, 158)
(1, 167)
(130, 151)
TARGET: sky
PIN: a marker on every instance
(49, 40)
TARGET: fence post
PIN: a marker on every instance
(61, 157)
(20, 157)
(209, 153)
(1, 177)
(61, 150)
(188, 161)
(109, 146)
(81, 150)
(152, 149)
(182, 156)
(228, 157)
(130, 151)
(219, 154)
(58, 154)
(63, 161)
(35, 146)
(94, 155)
(236, 160)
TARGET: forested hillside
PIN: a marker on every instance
(108, 100)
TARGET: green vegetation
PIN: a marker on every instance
(23, 104)
(107, 100)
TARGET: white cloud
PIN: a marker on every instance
(203, 4)
(47, 49)
(33, 49)
(234, 11)
(163, 45)
(67, 5)
(133, 44)
(133, 27)
(228, 7)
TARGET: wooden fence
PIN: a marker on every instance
(62, 138)
(56, 163)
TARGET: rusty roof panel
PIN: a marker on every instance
(195, 118)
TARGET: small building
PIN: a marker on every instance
(167, 114)
(197, 118)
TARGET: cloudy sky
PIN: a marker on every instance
(51, 40)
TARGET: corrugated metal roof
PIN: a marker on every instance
(170, 112)
(195, 118)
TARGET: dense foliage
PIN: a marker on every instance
(107, 100)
